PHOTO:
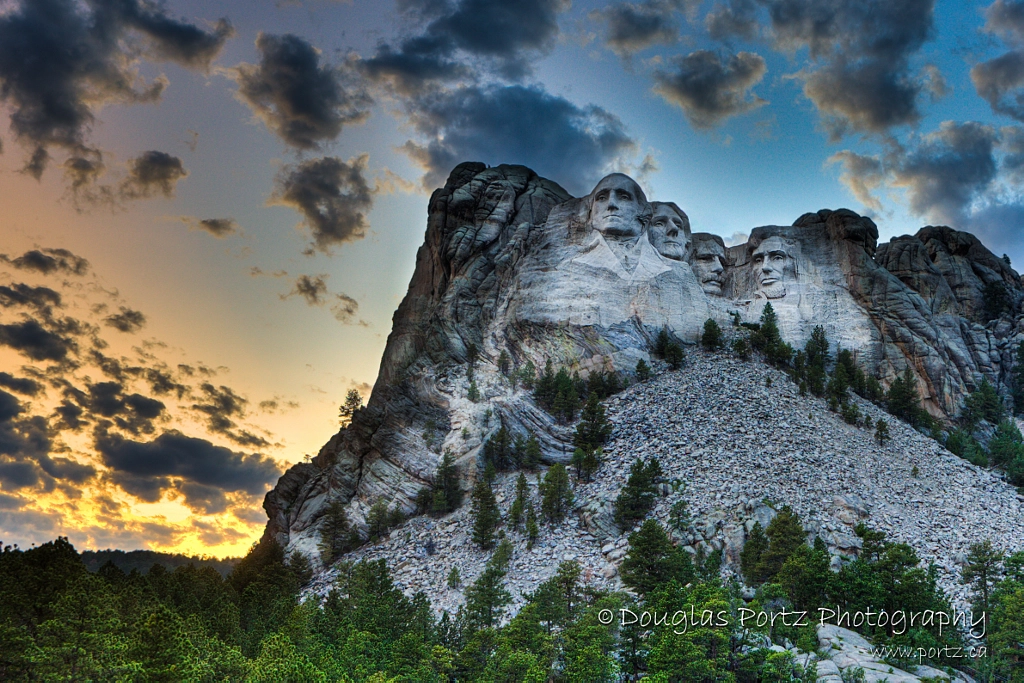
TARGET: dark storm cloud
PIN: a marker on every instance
(1001, 80)
(943, 172)
(172, 454)
(736, 18)
(35, 341)
(22, 385)
(345, 309)
(418, 62)
(208, 500)
(132, 412)
(709, 89)
(504, 35)
(152, 172)
(20, 294)
(1012, 146)
(218, 227)
(220, 405)
(24, 450)
(947, 170)
(861, 174)
(127, 320)
(70, 416)
(1001, 227)
(510, 32)
(312, 288)
(303, 102)
(161, 382)
(635, 27)
(519, 125)
(48, 261)
(863, 81)
(61, 60)
(331, 194)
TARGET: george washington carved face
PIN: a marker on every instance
(669, 231)
(618, 207)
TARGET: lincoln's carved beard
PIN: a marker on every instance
(774, 291)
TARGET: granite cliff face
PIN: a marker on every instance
(511, 262)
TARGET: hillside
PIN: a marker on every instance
(736, 444)
(143, 560)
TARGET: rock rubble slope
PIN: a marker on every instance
(741, 448)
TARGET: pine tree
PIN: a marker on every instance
(377, 519)
(531, 456)
(881, 431)
(518, 509)
(486, 515)
(712, 338)
(785, 535)
(336, 534)
(594, 428)
(983, 404)
(499, 451)
(902, 400)
(982, 572)
(532, 530)
(447, 490)
(661, 342)
(487, 598)
(750, 556)
(674, 355)
(474, 392)
(643, 370)
(504, 363)
(353, 402)
(637, 498)
(545, 390)
(1017, 382)
(652, 560)
(557, 496)
(454, 578)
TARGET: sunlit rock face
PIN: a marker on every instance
(511, 262)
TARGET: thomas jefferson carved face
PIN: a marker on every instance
(772, 264)
(669, 231)
(617, 207)
(708, 262)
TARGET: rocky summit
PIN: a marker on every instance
(515, 271)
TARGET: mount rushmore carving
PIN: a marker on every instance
(512, 263)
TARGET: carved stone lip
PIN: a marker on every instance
(769, 280)
(714, 284)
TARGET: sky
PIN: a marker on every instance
(210, 210)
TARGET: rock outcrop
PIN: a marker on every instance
(512, 263)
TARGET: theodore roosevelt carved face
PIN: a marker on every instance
(669, 231)
(618, 207)
(708, 262)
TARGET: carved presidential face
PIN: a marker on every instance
(618, 203)
(772, 264)
(669, 232)
(708, 263)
